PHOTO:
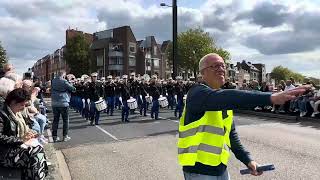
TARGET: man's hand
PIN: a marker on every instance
(253, 166)
(282, 97)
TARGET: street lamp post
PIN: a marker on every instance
(174, 36)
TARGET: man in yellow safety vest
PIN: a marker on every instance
(206, 131)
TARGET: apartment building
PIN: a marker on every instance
(113, 52)
(149, 57)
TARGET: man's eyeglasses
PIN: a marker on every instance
(216, 67)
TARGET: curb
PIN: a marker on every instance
(62, 165)
(279, 116)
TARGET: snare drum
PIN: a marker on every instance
(149, 99)
(132, 103)
(163, 101)
(101, 105)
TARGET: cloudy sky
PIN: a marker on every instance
(279, 32)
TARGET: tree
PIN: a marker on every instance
(77, 55)
(281, 73)
(192, 46)
(224, 54)
(3, 56)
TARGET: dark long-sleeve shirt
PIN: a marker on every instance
(94, 91)
(154, 91)
(201, 98)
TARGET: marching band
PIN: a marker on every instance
(94, 96)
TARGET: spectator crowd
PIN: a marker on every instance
(304, 106)
(22, 124)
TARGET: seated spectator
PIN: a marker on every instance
(15, 138)
(38, 83)
(228, 85)
(315, 101)
(283, 84)
(289, 85)
(32, 116)
(264, 87)
(16, 78)
(6, 86)
(303, 101)
(254, 85)
(290, 105)
(244, 86)
(275, 108)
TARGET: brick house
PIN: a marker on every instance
(114, 51)
(149, 57)
(165, 67)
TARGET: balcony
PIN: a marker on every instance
(148, 56)
(115, 67)
(115, 53)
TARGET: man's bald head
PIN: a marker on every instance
(212, 68)
(205, 61)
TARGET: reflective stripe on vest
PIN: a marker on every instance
(202, 128)
(202, 147)
(205, 140)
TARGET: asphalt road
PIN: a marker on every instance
(145, 149)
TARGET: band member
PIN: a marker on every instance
(163, 88)
(85, 97)
(179, 91)
(155, 93)
(117, 93)
(143, 87)
(79, 96)
(95, 92)
(125, 95)
(170, 91)
(109, 93)
(133, 86)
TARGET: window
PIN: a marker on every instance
(99, 60)
(132, 47)
(155, 50)
(156, 62)
(132, 61)
(116, 47)
(148, 62)
(148, 55)
(115, 60)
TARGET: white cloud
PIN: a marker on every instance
(30, 29)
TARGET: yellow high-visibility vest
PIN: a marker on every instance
(205, 140)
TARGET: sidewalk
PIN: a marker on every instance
(279, 116)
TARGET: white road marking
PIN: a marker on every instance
(107, 133)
